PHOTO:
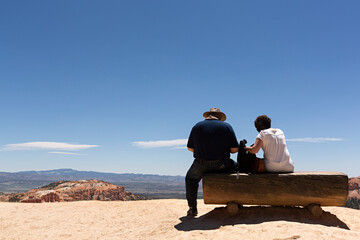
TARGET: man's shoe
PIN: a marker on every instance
(192, 211)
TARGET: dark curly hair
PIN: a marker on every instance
(262, 122)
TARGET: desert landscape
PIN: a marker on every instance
(112, 110)
(94, 209)
(165, 219)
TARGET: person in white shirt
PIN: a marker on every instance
(272, 142)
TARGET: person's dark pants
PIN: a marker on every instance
(196, 172)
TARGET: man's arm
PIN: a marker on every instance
(191, 149)
(256, 147)
(232, 140)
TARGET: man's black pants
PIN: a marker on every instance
(196, 172)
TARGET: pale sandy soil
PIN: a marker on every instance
(164, 219)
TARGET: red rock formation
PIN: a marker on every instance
(354, 187)
(92, 190)
(76, 190)
(41, 196)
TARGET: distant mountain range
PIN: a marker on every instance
(155, 186)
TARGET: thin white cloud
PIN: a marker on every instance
(161, 143)
(46, 146)
(180, 147)
(315, 140)
(66, 153)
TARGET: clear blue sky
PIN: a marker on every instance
(91, 78)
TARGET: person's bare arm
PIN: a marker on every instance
(256, 147)
(234, 150)
(191, 149)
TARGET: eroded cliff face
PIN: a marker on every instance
(77, 190)
(354, 187)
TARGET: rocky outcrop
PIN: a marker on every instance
(11, 197)
(354, 187)
(65, 191)
(41, 196)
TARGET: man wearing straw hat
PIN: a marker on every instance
(211, 140)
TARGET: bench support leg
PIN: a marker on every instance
(232, 208)
(315, 210)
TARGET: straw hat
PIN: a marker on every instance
(217, 111)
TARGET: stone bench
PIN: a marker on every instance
(308, 189)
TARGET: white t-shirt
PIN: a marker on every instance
(276, 154)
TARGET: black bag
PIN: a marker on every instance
(245, 160)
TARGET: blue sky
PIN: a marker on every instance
(83, 82)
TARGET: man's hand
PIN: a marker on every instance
(234, 150)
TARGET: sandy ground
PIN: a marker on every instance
(164, 219)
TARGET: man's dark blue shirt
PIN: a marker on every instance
(212, 140)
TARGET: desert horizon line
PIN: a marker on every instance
(130, 173)
(75, 170)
